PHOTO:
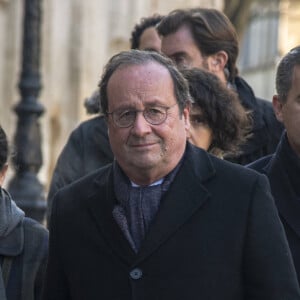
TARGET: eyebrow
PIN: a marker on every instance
(132, 107)
(180, 53)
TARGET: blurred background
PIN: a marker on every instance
(73, 39)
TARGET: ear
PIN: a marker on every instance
(186, 117)
(277, 106)
(3, 174)
(217, 63)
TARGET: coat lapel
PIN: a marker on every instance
(101, 202)
(286, 202)
(180, 202)
(177, 206)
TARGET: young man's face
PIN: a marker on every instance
(144, 151)
(181, 47)
(289, 112)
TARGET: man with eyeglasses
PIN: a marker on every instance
(165, 220)
(87, 148)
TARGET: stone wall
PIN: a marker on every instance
(78, 37)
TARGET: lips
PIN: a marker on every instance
(142, 145)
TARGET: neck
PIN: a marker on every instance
(145, 178)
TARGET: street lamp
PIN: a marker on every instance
(25, 187)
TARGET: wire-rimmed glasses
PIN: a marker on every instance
(154, 115)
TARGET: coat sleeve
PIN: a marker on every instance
(268, 267)
(56, 283)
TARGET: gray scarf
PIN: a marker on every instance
(10, 214)
(10, 217)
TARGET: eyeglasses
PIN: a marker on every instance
(154, 115)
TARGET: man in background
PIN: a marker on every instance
(283, 167)
(205, 38)
(145, 36)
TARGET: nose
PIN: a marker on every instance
(140, 126)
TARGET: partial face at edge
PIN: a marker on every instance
(289, 112)
(150, 40)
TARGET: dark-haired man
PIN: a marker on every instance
(144, 35)
(205, 38)
(283, 167)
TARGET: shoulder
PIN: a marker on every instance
(235, 172)
(94, 124)
(260, 164)
(234, 184)
(35, 237)
(34, 228)
(238, 181)
(264, 104)
(266, 109)
(219, 170)
(90, 141)
(81, 188)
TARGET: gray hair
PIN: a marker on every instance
(137, 57)
(285, 71)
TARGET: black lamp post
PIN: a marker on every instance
(25, 187)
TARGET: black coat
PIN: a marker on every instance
(266, 130)
(86, 150)
(27, 245)
(278, 169)
(217, 235)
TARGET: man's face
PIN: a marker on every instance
(150, 40)
(181, 47)
(289, 112)
(146, 152)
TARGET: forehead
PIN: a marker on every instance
(150, 39)
(148, 72)
(150, 80)
(295, 87)
(178, 41)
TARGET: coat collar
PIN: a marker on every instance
(11, 226)
(249, 101)
(177, 206)
(286, 201)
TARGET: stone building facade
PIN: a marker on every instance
(78, 37)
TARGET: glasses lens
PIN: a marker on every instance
(125, 118)
(155, 115)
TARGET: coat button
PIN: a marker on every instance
(136, 273)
